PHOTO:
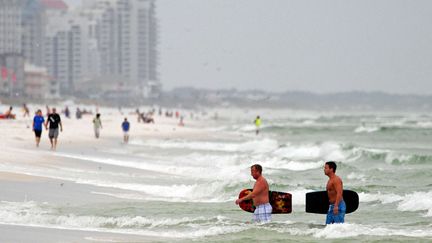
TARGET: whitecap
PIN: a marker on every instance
(292, 165)
(356, 176)
(255, 146)
(325, 151)
(417, 201)
(383, 198)
(345, 230)
(362, 129)
(37, 215)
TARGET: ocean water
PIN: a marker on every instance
(184, 190)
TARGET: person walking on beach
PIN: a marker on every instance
(257, 124)
(67, 112)
(78, 113)
(337, 208)
(38, 121)
(259, 195)
(54, 122)
(181, 122)
(26, 110)
(97, 125)
(125, 127)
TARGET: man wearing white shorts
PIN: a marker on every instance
(262, 213)
(260, 196)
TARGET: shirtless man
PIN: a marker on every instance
(259, 195)
(337, 209)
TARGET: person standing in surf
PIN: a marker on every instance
(38, 121)
(54, 122)
(257, 123)
(337, 208)
(259, 195)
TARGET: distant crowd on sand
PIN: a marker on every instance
(52, 121)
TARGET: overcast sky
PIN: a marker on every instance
(279, 45)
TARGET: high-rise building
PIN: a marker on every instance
(104, 38)
(10, 26)
(137, 41)
(63, 57)
(11, 46)
(22, 40)
(63, 46)
(33, 32)
(91, 57)
(106, 30)
(127, 38)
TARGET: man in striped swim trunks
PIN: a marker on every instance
(259, 195)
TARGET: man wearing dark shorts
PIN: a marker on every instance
(54, 122)
(38, 120)
(125, 127)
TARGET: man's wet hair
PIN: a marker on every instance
(257, 167)
(331, 165)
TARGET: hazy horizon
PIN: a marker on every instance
(312, 46)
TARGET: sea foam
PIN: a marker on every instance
(325, 151)
(352, 230)
(255, 146)
(37, 215)
(417, 201)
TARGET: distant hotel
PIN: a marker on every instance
(106, 47)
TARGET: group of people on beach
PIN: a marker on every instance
(54, 126)
(263, 209)
(97, 125)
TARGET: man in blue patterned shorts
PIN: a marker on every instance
(260, 196)
(337, 209)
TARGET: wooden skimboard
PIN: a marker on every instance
(318, 202)
(280, 201)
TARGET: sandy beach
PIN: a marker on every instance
(23, 168)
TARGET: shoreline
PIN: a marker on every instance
(23, 165)
(25, 233)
